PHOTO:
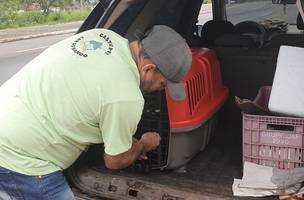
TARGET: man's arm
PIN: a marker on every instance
(147, 142)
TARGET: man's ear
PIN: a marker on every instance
(145, 69)
(148, 67)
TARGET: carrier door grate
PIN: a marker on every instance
(154, 118)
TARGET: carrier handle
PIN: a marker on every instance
(280, 127)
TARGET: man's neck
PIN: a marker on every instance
(135, 48)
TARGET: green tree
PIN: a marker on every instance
(26, 3)
(8, 11)
(46, 5)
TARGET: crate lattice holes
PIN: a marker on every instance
(273, 141)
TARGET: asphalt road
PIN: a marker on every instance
(12, 33)
(14, 55)
(255, 11)
(259, 11)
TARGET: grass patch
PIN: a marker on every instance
(68, 16)
(31, 18)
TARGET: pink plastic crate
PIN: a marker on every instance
(271, 140)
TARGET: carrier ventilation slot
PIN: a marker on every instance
(196, 90)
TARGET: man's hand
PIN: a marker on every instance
(143, 155)
(150, 140)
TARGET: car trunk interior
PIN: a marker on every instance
(211, 172)
(244, 70)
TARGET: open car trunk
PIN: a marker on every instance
(209, 172)
(208, 176)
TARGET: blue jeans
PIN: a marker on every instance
(15, 186)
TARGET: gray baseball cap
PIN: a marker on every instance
(172, 56)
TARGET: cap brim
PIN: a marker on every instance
(176, 91)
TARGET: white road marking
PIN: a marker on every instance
(33, 49)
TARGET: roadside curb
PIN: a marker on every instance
(37, 35)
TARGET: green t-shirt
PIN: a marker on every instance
(83, 90)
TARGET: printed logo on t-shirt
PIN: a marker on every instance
(82, 47)
(93, 45)
(109, 43)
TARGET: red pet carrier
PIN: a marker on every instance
(185, 126)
